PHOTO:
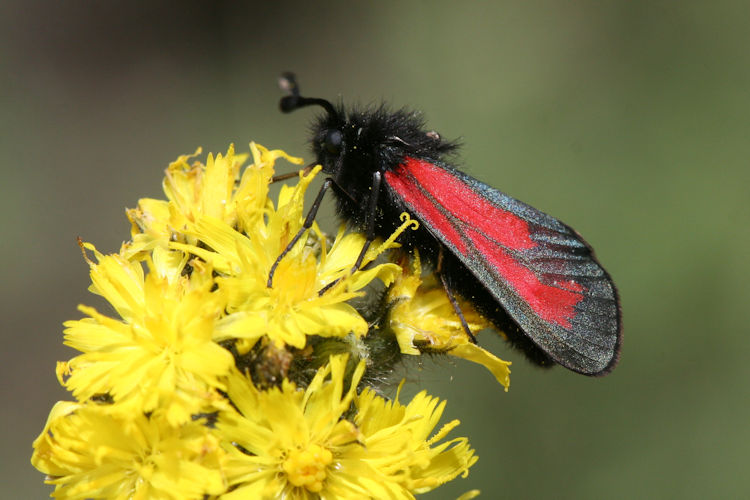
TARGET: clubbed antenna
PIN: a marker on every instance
(288, 103)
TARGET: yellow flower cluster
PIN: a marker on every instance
(208, 383)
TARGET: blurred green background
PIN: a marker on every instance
(629, 120)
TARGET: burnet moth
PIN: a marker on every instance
(532, 276)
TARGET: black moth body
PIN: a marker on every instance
(532, 276)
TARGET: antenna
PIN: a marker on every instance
(288, 103)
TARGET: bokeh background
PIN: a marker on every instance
(629, 120)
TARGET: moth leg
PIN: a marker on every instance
(372, 204)
(290, 175)
(371, 210)
(452, 298)
(305, 226)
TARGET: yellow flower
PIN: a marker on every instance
(293, 308)
(303, 444)
(89, 453)
(422, 317)
(216, 190)
(166, 405)
(226, 219)
(396, 441)
(159, 356)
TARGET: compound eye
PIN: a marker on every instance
(333, 141)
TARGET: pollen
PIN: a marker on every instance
(307, 467)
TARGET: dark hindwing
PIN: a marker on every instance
(542, 273)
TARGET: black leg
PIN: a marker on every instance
(452, 298)
(369, 228)
(372, 206)
(305, 226)
(290, 175)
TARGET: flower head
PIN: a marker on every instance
(159, 355)
(295, 443)
(422, 318)
(89, 453)
(225, 218)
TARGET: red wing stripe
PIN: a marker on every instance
(501, 225)
(424, 206)
(464, 218)
(553, 303)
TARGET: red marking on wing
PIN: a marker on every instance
(550, 302)
(425, 207)
(501, 225)
(490, 229)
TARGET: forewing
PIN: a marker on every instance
(540, 270)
